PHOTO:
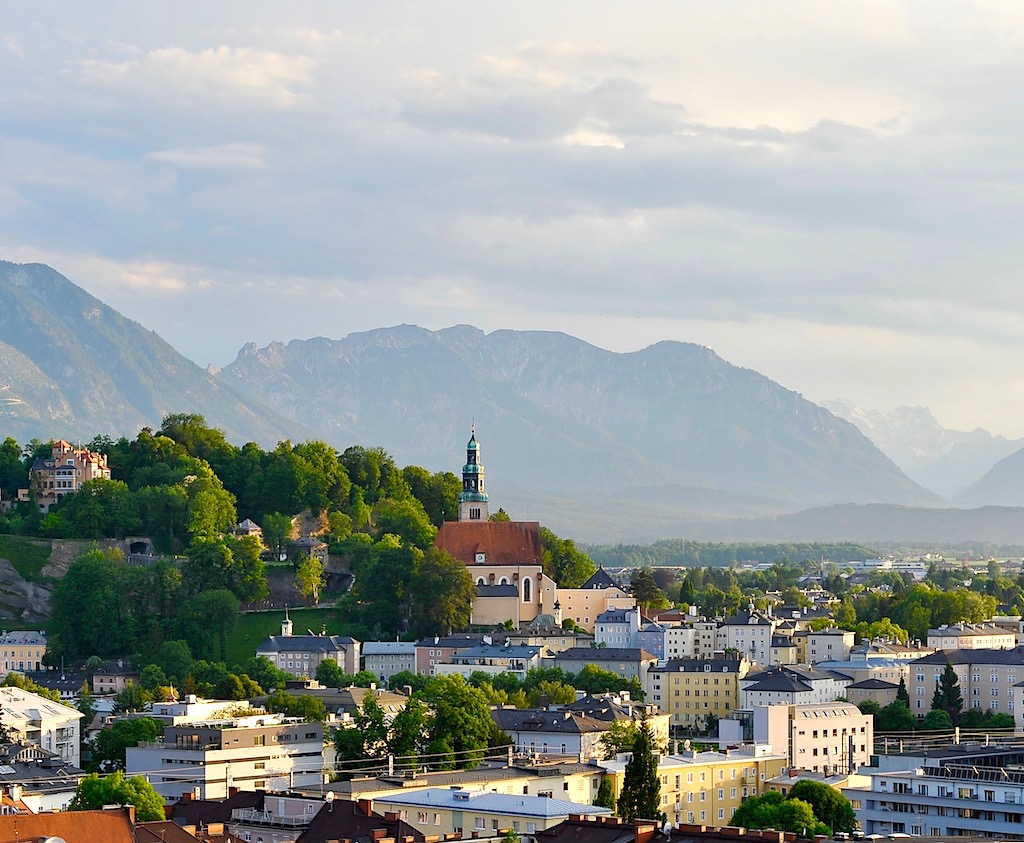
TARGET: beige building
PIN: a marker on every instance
(823, 645)
(876, 690)
(22, 650)
(987, 679)
(972, 636)
(64, 472)
(597, 595)
(691, 689)
(707, 787)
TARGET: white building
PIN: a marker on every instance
(299, 655)
(386, 658)
(749, 632)
(681, 642)
(618, 628)
(49, 725)
(792, 685)
(972, 636)
(265, 752)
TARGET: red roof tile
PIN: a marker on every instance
(503, 542)
(110, 826)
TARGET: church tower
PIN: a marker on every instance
(473, 498)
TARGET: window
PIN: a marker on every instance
(479, 823)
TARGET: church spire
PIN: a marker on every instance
(473, 498)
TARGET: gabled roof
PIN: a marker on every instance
(780, 682)
(747, 618)
(600, 579)
(199, 812)
(874, 685)
(345, 820)
(541, 720)
(1014, 656)
(502, 542)
(306, 644)
(113, 825)
(605, 654)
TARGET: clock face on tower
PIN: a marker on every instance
(481, 558)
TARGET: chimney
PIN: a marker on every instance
(366, 806)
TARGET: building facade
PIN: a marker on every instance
(22, 651)
(299, 655)
(690, 690)
(64, 472)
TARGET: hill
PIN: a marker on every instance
(70, 366)
(558, 415)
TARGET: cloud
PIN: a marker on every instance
(229, 156)
(220, 74)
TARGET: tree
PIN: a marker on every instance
(895, 717)
(94, 792)
(330, 674)
(947, 694)
(640, 797)
(442, 595)
(829, 805)
(566, 564)
(310, 577)
(646, 591)
(621, 737)
(108, 747)
(131, 698)
(936, 720)
(772, 810)
(605, 796)
(461, 727)
(902, 693)
(409, 731)
(278, 530)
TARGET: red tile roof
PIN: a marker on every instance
(503, 542)
(109, 826)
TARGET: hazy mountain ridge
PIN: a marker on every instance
(941, 459)
(74, 367)
(559, 413)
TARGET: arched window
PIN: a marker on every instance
(480, 581)
(503, 581)
(527, 590)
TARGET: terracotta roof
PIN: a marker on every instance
(113, 825)
(503, 542)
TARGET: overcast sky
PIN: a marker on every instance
(829, 193)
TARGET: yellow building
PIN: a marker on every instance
(691, 689)
(22, 650)
(706, 787)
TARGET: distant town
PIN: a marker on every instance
(304, 646)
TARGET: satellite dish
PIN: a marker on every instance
(54, 840)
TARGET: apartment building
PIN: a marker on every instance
(946, 793)
(36, 720)
(691, 689)
(749, 633)
(987, 678)
(431, 652)
(493, 658)
(627, 662)
(597, 595)
(707, 787)
(822, 645)
(264, 752)
(825, 738)
(972, 636)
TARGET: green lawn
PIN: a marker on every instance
(28, 556)
(253, 628)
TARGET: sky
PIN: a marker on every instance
(829, 193)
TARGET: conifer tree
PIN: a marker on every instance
(641, 789)
(902, 693)
(952, 699)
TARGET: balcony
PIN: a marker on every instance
(250, 816)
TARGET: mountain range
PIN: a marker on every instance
(600, 445)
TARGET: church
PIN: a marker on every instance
(504, 557)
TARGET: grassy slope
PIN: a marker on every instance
(253, 628)
(28, 556)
